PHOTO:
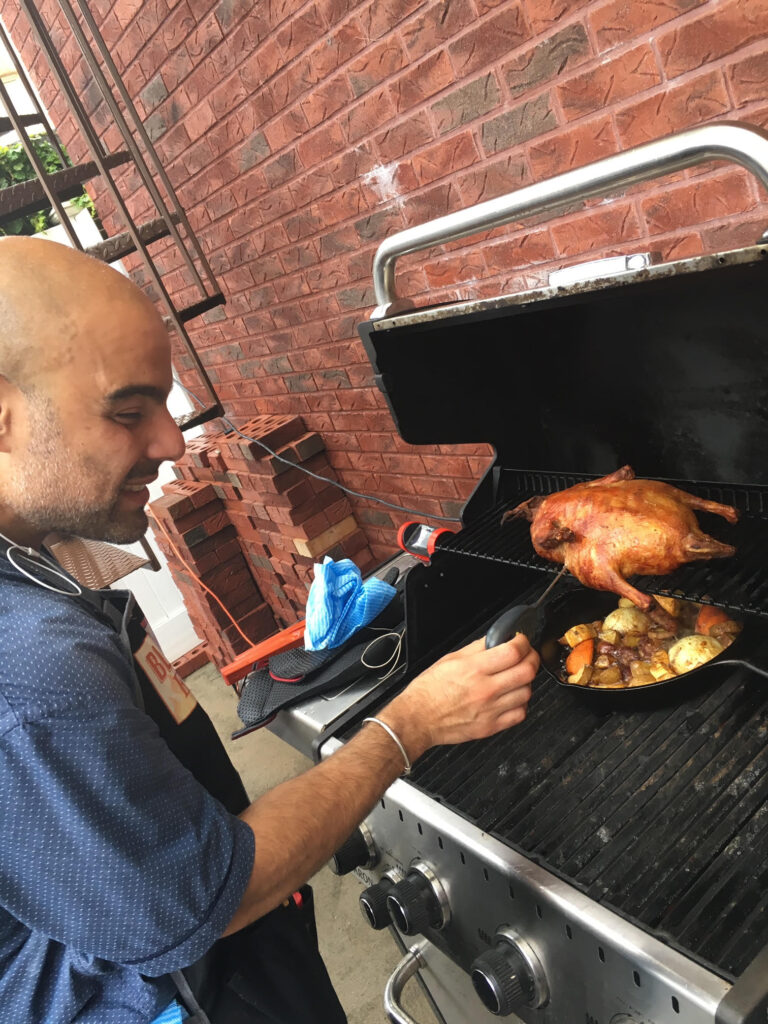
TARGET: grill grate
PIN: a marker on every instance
(740, 582)
(650, 813)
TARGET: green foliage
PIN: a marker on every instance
(15, 167)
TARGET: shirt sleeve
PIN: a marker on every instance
(107, 843)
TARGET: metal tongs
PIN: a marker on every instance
(523, 618)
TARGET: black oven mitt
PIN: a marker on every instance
(263, 694)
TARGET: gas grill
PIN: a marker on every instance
(591, 865)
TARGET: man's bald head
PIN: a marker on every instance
(85, 372)
(52, 299)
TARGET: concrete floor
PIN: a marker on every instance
(359, 960)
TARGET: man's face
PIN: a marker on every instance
(94, 441)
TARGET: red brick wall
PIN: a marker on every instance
(299, 134)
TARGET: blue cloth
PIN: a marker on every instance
(340, 602)
(116, 866)
(171, 1015)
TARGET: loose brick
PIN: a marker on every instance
(193, 660)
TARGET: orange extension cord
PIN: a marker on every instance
(197, 579)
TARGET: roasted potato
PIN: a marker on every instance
(608, 677)
(627, 620)
(660, 667)
(582, 677)
(577, 634)
(671, 605)
(692, 652)
(641, 673)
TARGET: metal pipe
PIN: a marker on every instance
(723, 140)
(85, 127)
(37, 164)
(141, 166)
(30, 91)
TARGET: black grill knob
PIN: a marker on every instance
(373, 903)
(414, 906)
(501, 980)
(357, 851)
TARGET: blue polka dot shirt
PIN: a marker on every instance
(116, 866)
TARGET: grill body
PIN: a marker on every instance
(628, 847)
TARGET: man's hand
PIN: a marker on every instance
(468, 694)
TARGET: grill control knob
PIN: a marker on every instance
(357, 851)
(418, 902)
(509, 975)
(373, 903)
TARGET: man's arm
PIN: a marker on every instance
(469, 694)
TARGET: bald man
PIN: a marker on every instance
(137, 884)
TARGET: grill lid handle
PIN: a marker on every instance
(721, 140)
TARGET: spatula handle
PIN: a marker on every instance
(523, 618)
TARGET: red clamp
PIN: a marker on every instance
(258, 656)
(420, 540)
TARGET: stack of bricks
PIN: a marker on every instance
(193, 516)
(285, 520)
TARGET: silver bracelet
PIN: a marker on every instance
(396, 738)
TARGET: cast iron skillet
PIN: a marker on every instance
(749, 650)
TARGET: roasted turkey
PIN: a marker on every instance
(617, 526)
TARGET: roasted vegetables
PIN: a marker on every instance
(631, 648)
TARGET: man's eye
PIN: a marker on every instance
(127, 417)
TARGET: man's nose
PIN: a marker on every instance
(167, 441)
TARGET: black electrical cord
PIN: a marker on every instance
(325, 479)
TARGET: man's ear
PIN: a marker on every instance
(9, 395)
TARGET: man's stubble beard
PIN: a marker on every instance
(50, 501)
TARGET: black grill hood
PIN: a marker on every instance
(665, 369)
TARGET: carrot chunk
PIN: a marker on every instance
(581, 655)
(708, 617)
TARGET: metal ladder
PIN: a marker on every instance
(52, 190)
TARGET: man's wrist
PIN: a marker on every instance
(413, 734)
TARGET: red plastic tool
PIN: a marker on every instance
(258, 656)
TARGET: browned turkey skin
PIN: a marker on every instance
(617, 526)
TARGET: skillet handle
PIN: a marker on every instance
(756, 660)
(523, 618)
